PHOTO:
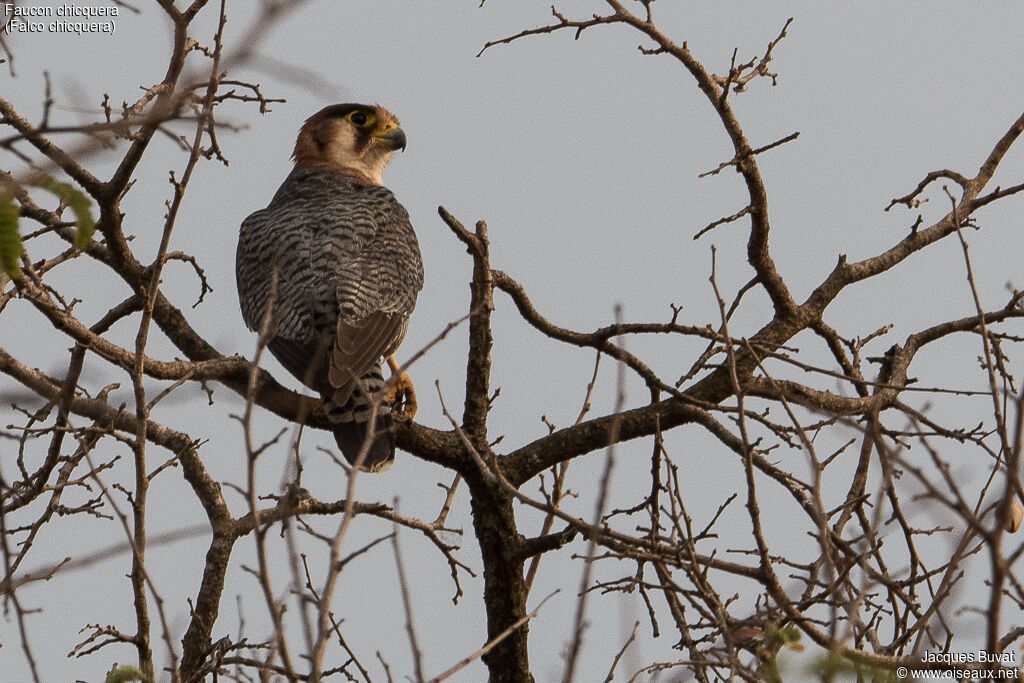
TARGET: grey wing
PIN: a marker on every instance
(374, 275)
(269, 269)
(273, 274)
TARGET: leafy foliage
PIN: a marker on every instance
(78, 202)
(10, 238)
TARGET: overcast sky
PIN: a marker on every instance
(583, 157)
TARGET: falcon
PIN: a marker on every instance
(331, 270)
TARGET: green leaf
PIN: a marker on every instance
(78, 202)
(10, 238)
(123, 674)
(787, 636)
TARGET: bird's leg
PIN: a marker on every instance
(401, 394)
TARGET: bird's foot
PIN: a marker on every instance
(400, 392)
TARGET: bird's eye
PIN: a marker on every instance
(360, 118)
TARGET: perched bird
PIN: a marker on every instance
(332, 268)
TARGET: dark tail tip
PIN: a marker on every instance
(355, 437)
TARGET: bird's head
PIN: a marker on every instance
(356, 138)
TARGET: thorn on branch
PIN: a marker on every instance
(754, 152)
(256, 96)
(549, 424)
(728, 219)
(465, 236)
(205, 287)
(911, 201)
(563, 22)
(542, 544)
(660, 50)
(740, 76)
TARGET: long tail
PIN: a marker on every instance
(362, 425)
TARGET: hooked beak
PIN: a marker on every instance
(393, 139)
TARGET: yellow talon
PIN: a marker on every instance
(400, 392)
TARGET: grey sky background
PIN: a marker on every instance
(583, 157)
